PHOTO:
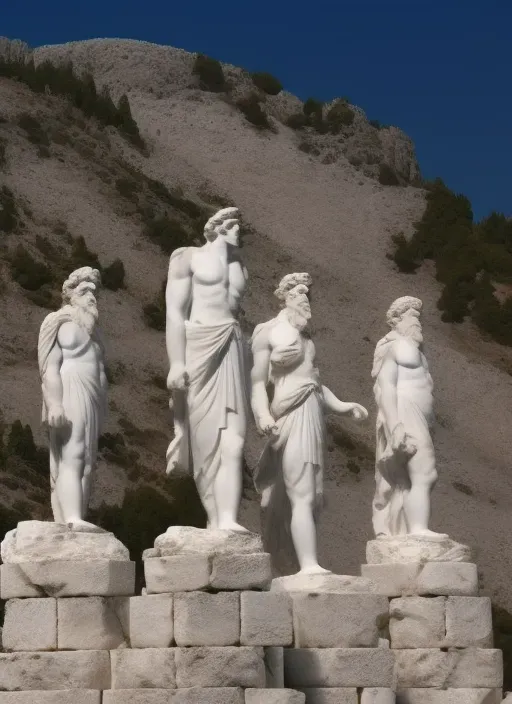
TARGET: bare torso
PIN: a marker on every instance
(79, 347)
(217, 287)
(414, 379)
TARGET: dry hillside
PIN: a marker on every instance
(323, 211)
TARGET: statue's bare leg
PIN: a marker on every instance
(423, 476)
(228, 482)
(86, 488)
(302, 495)
(68, 486)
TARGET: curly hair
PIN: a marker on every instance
(289, 282)
(85, 273)
(399, 307)
(215, 225)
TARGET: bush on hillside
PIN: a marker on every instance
(113, 275)
(297, 121)
(3, 152)
(33, 129)
(339, 116)
(8, 211)
(402, 256)
(210, 73)
(154, 313)
(387, 176)
(252, 110)
(81, 255)
(267, 83)
(27, 272)
(376, 124)
(312, 107)
(126, 123)
(169, 234)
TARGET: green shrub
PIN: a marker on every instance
(27, 272)
(312, 107)
(113, 275)
(376, 124)
(251, 108)
(8, 211)
(402, 256)
(114, 449)
(167, 233)
(3, 152)
(175, 200)
(297, 121)
(267, 83)
(21, 443)
(126, 124)
(387, 176)
(210, 73)
(127, 187)
(154, 313)
(33, 129)
(339, 116)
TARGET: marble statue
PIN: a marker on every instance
(208, 373)
(405, 462)
(289, 474)
(74, 386)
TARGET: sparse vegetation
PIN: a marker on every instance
(253, 112)
(210, 73)
(8, 211)
(27, 272)
(3, 152)
(297, 121)
(267, 83)
(387, 176)
(338, 116)
(154, 313)
(168, 233)
(32, 127)
(113, 275)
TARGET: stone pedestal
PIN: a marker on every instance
(440, 631)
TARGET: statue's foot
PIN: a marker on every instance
(314, 569)
(426, 533)
(78, 524)
(232, 525)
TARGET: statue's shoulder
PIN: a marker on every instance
(261, 334)
(180, 261)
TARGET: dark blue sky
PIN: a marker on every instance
(440, 70)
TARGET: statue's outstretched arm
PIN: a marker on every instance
(334, 405)
(259, 376)
(177, 300)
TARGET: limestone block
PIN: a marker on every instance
(207, 619)
(415, 548)
(338, 620)
(378, 695)
(326, 583)
(331, 695)
(449, 696)
(81, 669)
(266, 619)
(68, 696)
(274, 696)
(231, 571)
(274, 667)
(67, 578)
(417, 622)
(92, 623)
(191, 695)
(468, 668)
(151, 621)
(177, 573)
(30, 624)
(469, 622)
(338, 667)
(430, 578)
(220, 667)
(143, 669)
(187, 540)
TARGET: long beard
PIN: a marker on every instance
(299, 319)
(86, 317)
(415, 335)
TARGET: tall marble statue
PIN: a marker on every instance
(405, 462)
(74, 386)
(289, 405)
(208, 367)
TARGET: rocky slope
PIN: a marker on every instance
(301, 212)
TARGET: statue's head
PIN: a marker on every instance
(293, 292)
(224, 224)
(79, 291)
(404, 317)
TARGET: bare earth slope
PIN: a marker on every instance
(328, 219)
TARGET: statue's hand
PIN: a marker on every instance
(266, 425)
(401, 441)
(177, 379)
(57, 417)
(358, 412)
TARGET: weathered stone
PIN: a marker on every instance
(82, 669)
(92, 623)
(377, 695)
(151, 621)
(178, 573)
(274, 696)
(449, 696)
(429, 667)
(415, 548)
(330, 695)
(417, 622)
(67, 578)
(191, 695)
(231, 571)
(68, 696)
(186, 540)
(266, 619)
(431, 578)
(220, 667)
(207, 619)
(469, 622)
(32, 541)
(30, 624)
(322, 583)
(144, 669)
(274, 667)
(338, 667)
(338, 620)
